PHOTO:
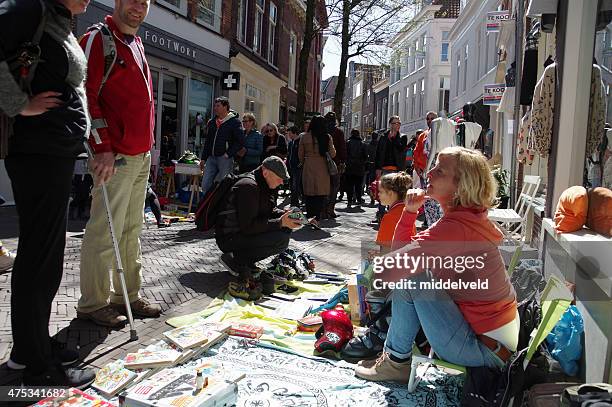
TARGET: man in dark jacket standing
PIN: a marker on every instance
(340, 160)
(371, 165)
(254, 228)
(390, 154)
(224, 138)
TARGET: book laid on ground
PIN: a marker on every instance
(151, 358)
(73, 397)
(177, 387)
(113, 378)
(191, 336)
(246, 330)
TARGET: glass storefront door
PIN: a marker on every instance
(200, 107)
(170, 119)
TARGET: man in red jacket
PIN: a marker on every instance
(122, 114)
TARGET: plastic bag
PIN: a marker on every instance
(564, 340)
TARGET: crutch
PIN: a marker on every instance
(133, 333)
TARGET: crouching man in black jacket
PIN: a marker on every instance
(253, 228)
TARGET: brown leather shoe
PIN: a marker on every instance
(141, 307)
(107, 316)
(385, 370)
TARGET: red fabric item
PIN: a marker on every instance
(126, 100)
(339, 145)
(337, 330)
(419, 157)
(460, 232)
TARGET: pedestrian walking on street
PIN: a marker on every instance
(340, 160)
(274, 143)
(123, 109)
(390, 154)
(224, 138)
(313, 150)
(293, 165)
(356, 158)
(250, 154)
(51, 123)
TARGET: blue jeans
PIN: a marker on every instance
(451, 337)
(216, 168)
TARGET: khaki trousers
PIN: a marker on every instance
(126, 195)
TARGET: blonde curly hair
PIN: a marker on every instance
(476, 186)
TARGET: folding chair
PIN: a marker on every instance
(513, 221)
(555, 300)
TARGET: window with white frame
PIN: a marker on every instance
(397, 98)
(180, 6)
(357, 90)
(356, 120)
(444, 47)
(458, 74)
(272, 34)
(209, 13)
(422, 99)
(479, 52)
(444, 94)
(411, 60)
(414, 101)
(241, 30)
(259, 19)
(465, 65)
(254, 101)
(292, 60)
(368, 97)
(406, 101)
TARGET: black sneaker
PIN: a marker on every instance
(56, 376)
(67, 357)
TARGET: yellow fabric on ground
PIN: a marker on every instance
(278, 332)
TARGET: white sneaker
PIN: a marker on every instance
(6, 260)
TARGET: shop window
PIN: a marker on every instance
(200, 111)
(292, 60)
(171, 113)
(272, 34)
(241, 33)
(180, 6)
(259, 18)
(598, 163)
(291, 116)
(209, 14)
(356, 120)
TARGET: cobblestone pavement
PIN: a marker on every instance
(181, 272)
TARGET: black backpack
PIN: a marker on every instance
(211, 207)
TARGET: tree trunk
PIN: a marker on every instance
(339, 92)
(303, 64)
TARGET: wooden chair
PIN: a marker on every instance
(513, 221)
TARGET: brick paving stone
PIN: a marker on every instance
(181, 272)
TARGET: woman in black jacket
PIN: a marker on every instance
(51, 123)
(356, 159)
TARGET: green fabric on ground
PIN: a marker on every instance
(278, 332)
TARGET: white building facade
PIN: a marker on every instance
(420, 71)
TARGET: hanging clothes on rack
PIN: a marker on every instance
(597, 112)
(442, 135)
(606, 181)
(523, 154)
(530, 64)
(472, 133)
(540, 132)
